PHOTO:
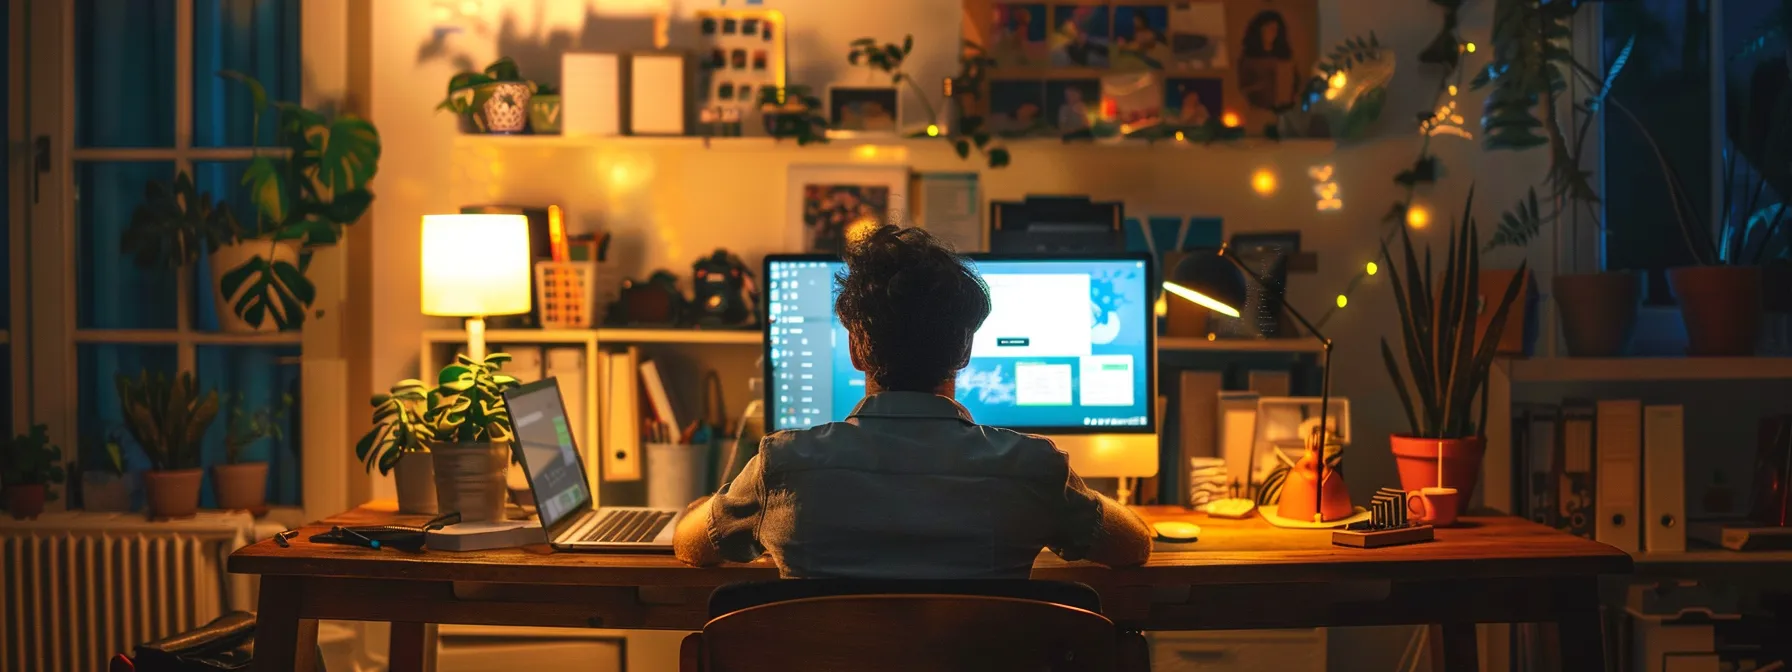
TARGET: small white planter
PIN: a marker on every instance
(103, 491)
(415, 476)
(507, 107)
(227, 259)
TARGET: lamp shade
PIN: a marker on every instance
(476, 265)
(1208, 279)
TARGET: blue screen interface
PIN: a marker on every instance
(1065, 346)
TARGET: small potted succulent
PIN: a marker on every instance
(461, 430)
(105, 484)
(544, 110)
(28, 466)
(241, 484)
(495, 100)
(168, 417)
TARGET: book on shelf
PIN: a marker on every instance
(1618, 474)
(1572, 469)
(1534, 448)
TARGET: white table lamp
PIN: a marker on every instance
(474, 266)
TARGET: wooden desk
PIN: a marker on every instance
(1240, 575)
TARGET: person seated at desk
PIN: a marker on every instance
(909, 486)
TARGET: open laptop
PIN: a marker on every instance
(556, 473)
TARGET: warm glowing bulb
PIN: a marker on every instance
(1331, 94)
(1371, 268)
(1343, 300)
(1162, 307)
(1230, 119)
(1339, 80)
(1470, 47)
(1452, 89)
(1179, 137)
(1418, 217)
(933, 130)
(1263, 182)
(866, 151)
(1211, 336)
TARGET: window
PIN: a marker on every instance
(148, 105)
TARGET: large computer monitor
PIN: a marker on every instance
(1069, 351)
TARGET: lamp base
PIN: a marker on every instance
(1268, 511)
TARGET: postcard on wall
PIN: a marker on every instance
(951, 209)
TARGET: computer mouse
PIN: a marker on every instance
(1176, 530)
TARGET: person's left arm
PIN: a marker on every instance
(724, 527)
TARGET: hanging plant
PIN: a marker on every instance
(889, 59)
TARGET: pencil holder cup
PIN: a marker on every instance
(566, 291)
(677, 474)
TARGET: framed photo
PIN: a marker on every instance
(1081, 36)
(859, 111)
(1072, 105)
(1281, 421)
(829, 205)
(1017, 35)
(1141, 37)
(1017, 108)
(1190, 102)
(1198, 36)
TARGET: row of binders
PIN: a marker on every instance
(1610, 470)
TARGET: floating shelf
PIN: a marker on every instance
(1187, 344)
(170, 336)
(1620, 369)
(618, 335)
(519, 142)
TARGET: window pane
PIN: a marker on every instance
(264, 376)
(222, 180)
(256, 37)
(124, 73)
(114, 292)
(98, 368)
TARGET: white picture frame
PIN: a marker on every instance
(659, 93)
(847, 120)
(874, 191)
(1278, 439)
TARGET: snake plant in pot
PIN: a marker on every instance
(459, 432)
(1446, 363)
(29, 464)
(168, 417)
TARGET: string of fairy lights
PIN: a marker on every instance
(1443, 118)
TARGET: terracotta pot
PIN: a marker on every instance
(1417, 461)
(242, 487)
(173, 493)
(228, 258)
(470, 479)
(1598, 311)
(25, 501)
(415, 476)
(1721, 306)
(103, 491)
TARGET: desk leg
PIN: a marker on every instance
(1454, 647)
(412, 647)
(283, 641)
(1579, 628)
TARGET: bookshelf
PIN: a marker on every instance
(1638, 369)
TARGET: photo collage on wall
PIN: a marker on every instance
(741, 53)
(1120, 68)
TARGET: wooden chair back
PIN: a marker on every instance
(871, 633)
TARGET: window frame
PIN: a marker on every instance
(50, 393)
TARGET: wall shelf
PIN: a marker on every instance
(1637, 369)
(1195, 344)
(607, 335)
(522, 142)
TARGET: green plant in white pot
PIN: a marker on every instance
(461, 430)
(494, 100)
(105, 484)
(168, 417)
(242, 484)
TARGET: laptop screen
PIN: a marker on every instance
(556, 474)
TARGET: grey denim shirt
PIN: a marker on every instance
(908, 487)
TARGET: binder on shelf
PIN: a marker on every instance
(1536, 431)
(1618, 476)
(1664, 478)
(1571, 471)
(526, 363)
(656, 395)
(621, 418)
(1198, 421)
(1237, 437)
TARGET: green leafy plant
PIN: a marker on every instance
(798, 113)
(102, 452)
(1446, 363)
(1343, 58)
(889, 58)
(466, 406)
(248, 424)
(175, 223)
(303, 195)
(167, 417)
(466, 90)
(30, 459)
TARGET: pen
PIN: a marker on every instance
(283, 539)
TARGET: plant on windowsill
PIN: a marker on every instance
(239, 484)
(449, 445)
(104, 482)
(793, 112)
(969, 132)
(1446, 363)
(168, 417)
(29, 464)
(494, 100)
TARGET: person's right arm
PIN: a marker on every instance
(1096, 528)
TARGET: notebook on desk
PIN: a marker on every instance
(550, 457)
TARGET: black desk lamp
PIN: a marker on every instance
(1214, 279)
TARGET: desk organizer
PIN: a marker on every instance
(566, 289)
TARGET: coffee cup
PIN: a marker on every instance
(1433, 506)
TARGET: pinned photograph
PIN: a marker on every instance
(1017, 108)
(1192, 101)
(1139, 37)
(862, 110)
(1079, 37)
(1266, 72)
(1198, 35)
(1017, 35)
(1073, 105)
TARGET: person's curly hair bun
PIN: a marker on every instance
(912, 306)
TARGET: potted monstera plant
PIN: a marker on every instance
(493, 100)
(28, 466)
(241, 484)
(1446, 360)
(168, 417)
(456, 435)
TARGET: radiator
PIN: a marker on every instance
(80, 587)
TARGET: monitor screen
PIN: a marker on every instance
(556, 473)
(1067, 348)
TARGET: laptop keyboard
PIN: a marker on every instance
(637, 526)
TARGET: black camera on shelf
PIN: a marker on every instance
(724, 292)
(654, 302)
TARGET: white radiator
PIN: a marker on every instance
(79, 587)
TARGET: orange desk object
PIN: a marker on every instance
(1242, 574)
